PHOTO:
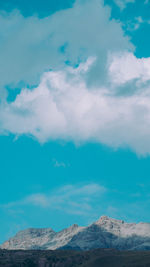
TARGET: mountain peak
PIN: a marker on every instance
(35, 232)
(106, 220)
(74, 225)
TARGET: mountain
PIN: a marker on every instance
(104, 233)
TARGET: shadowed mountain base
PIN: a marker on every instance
(69, 258)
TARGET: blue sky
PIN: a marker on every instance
(74, 112)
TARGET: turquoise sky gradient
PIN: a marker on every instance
(55, 182)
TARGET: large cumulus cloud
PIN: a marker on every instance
(96, 90)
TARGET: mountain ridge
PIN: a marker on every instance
(104, 233)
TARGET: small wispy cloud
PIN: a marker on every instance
(135, 23)
(146, 2)
(72, 199)
(123, 3)
(59, 164)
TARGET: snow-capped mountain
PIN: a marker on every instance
(104, 233)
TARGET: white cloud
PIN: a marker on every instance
(63, 107)
(126, 67)
(72, 199)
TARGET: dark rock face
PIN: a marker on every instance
(93, 258)
(104, 233)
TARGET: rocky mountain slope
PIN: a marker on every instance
(104, 233)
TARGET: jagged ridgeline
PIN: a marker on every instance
(104, 233)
